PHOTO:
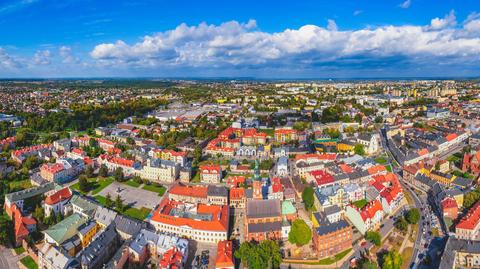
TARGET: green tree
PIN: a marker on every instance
(130, 141)
(412, 215)
(378, 119)
(5, 227)
(89, 171)
(359, 149)
(119, 204)
(374, 237)
(264, 255)
(392, 260)
(83, 183)
(471, 198)
(401, 224)
(103, 171)
(39, 214)
(108, 201)
(92, 142)
(300, 234)
(118, 174)
(307, 197)
(59, 217)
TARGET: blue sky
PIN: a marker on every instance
(270, 39)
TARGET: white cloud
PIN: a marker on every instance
(332, 26)
(357, 12)
(7, 61)
(243, 45)
(42, 57)
(448, 21)
(405, 4)
(67, 56)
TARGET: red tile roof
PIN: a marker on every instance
(59, 196)
(451, 137)
(237, 193)
(224, 254)
(191, 191)
(317, 156)
(376, 169)
(322, 177)
(449, 202)
(219, 221)
(210, 169)
(370, 209)
(471, 219)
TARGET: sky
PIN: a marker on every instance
(261, 39)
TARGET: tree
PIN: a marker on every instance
(307, 197)
(300, 233)
(412, 216)
(92, 142)
(471, 198)
(5, 227)
(83, 183)
(103, 171)
(392, 260)
(119, 204)
(359, 149)
(59, 217)
(108, 201)
(89, 171)
(378, 119)
(130, 141)
(118, 174)
(401, 224)
(374, 237)
(260, 255)
(39, 214)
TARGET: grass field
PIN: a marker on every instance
(360, 203)
(21, 184)
(19, 250)
(95, 185)
(29, 262)
(381, 160)
(136, 213)
(132, 183)
(158, 189)
(329, 260)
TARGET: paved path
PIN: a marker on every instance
(7, 260)
(136, 197)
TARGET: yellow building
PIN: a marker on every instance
(87, 232)
(344, 147)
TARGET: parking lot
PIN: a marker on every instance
(135, 197)
(196, 248)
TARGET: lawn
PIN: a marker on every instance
(95, 185)
(381, 160)
(101, 200)
(19, 250)
(329, 260)
(132, 183)
(389, 168)
(136, 213)
(29, 262)
(360, 203)
(158, 189)
(269, 132)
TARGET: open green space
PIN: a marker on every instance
(327, 261)
(29, 262)
(360, 203)
(381, 160)
(132, 183)
(269, 132)
(95, 185)
(19, 250)
(158, 189)
(136, 213)
(389, 168)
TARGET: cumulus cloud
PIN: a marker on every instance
(42, 57)
(67, 56)
(332, 25)
(7, 61)
(234, 44)
(406, 4)
(448, 21)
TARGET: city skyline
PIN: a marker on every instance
(412, 38)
